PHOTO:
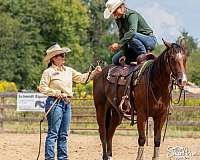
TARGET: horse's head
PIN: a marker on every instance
(176, 59)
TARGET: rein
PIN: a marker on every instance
(91, 68)
(179, 98)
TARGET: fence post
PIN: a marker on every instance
(1, 113)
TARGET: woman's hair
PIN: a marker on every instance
(50, 63)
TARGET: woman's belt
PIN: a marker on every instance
(66, 100)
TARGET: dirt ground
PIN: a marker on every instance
(84, 147)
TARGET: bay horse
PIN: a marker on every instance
(151, 98)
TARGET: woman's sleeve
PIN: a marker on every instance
(78, 77)
(44, 86)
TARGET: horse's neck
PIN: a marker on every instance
(160, 78)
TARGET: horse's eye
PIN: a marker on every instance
(173, 61)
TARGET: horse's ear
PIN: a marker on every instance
(167, 44)
(183, 43)
(184, 46)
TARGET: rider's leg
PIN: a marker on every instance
(140, 45)
(136, 46)
(119, 58)
(149, 41)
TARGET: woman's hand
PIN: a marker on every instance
(95, 71)
(98, 69)
(114, 47)
(62, 96)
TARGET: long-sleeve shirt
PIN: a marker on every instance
(56, 80)
(130, 23)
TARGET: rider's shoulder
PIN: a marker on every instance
(130, 11)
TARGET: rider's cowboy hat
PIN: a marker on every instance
(54, 51)
(111, 6)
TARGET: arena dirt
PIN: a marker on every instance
(83, 147)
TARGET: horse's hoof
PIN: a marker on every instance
(109, 158)
(139, 159)
(155, 158)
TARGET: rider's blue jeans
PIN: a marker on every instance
(138, 45)
(59, 119)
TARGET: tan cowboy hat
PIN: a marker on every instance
(111, 6)
(54, 51)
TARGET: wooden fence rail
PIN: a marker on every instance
(86, 115)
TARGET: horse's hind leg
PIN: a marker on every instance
(141, 140)
(113, 121)
(158, 124)
(101, 111)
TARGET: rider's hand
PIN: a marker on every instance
(114, 47)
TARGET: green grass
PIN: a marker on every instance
(188, 102)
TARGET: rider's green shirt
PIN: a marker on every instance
(130, 23)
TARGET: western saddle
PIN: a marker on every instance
(127, 76)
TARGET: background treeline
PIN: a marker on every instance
(29, 27)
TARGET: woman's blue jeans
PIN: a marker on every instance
(138, 45)
(59, 119)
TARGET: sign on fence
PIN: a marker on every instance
(30, 102)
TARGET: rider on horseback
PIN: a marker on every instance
(136, 37)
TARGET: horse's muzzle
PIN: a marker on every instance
(182, 80)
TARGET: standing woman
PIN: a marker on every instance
(56, 82)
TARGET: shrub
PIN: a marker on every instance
(7, 86)
(83, 91)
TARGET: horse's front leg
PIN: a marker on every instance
(142, 138)
(158, 125)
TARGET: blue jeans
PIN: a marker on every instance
(138, 45)
(59, 119)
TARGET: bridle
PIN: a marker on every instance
(168, 56)
(173, 77)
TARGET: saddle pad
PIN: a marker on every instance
(122, 71)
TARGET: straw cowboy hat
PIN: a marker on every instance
(111, 6)
(54, 51)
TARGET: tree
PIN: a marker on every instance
(193, 66)
(28, 27)
(192, 44)
(100, 34)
